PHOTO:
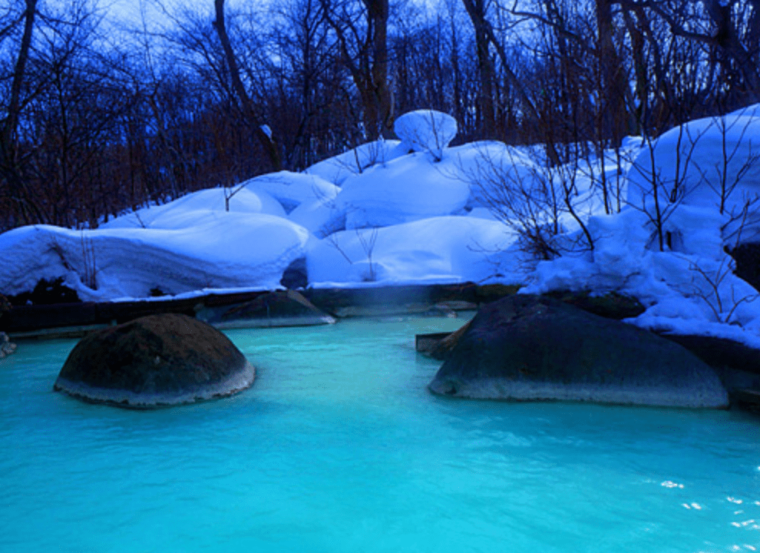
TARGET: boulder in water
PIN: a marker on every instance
(536, 348)
(155, 361)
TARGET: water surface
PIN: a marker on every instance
(338, 447)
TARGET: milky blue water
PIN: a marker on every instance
(338, 447)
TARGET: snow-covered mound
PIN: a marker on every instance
(434, 250)
(515, 186)
(689, 289)
(406, 189)
(292, 189)
(707, 178)
(357, 160)
(236, 250)
(494, 170)
(320, 217)
(426, 130)
(212, 199)
(712, 162)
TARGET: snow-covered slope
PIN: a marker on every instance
(292, 189)
(355, 161)
(712, 162)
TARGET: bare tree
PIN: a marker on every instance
(260, 130)
(23, 206)
(362, 33)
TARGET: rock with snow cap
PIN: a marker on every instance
(426, 130)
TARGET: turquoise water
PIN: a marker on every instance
(338, 447)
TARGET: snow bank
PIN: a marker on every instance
(213, 199)
(237, 250)
(292, 189)
(357, 160)
(512, 185)
(435, 250)
(706, 173)
(689, 288)
(426, 130)
(492, 169)
(713, 162)
(428, 217)
(320, 217)
(406, 189)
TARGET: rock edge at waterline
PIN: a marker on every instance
(536, 348)
(155, 361)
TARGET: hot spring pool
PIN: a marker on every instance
(338, 447)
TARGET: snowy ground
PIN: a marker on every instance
(417, 211)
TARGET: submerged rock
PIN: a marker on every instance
(536, 348)
(747, 258)
(6, 346)
(272, 309)
(155, 361)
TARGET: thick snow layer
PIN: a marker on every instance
(214, 199)
(440, 249)
(320, 217)
(406, 189)
(292, 189)
(514, 187)
(357, 160)
(426, 130)
(688, 288)
(492, 170)
(713, 162)
(233, 250)
(707, 177)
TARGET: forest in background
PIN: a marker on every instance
(98, 116)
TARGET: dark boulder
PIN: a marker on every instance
(6, 346)
(610, 306)
(440, 346)
(296, 275)
(747, 258)
(536, 348)
(155, 361)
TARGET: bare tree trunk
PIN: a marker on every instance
(728, 41)
(476, 9)
(456, 71)
(9, 163)
(264, 137)
(613, 78)
(377, 15)
(753, 31)
(368, 63)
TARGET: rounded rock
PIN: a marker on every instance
(535, 348)
(155, 361)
